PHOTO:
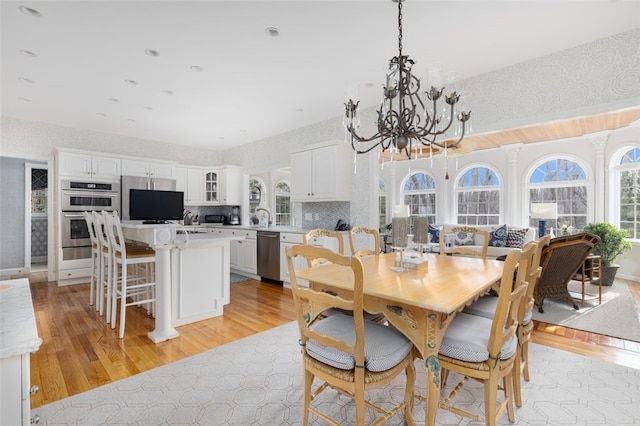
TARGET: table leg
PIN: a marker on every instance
(164, 330)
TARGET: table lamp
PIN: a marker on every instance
(420, 232)
(400, 237)
(543, 212)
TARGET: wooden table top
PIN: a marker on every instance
(443, 284)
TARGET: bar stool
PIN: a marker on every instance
(106, 265)
(132, 290)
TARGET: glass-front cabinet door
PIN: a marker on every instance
(211, 187)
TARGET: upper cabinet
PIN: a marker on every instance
(71, 164)
(223, 186)
(190, 180)
(149, 169)
(321, 174)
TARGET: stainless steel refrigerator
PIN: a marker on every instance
(134, 182)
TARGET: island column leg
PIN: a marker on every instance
(164, 330)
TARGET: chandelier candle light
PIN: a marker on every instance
(406, 123)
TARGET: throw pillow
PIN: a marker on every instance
(464, 238)
(515, 237)
(498, 236)
(434, 230)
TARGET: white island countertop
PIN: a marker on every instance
(18, 332)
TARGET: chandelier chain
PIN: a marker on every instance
(400, 27)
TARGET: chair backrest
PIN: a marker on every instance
(101, 231)
(309, 237)
(563, 257)
(360, 233)
(473, 251)
(310, 303)
(114, 234)
(505, 319)
(533, 275)
(91, 226)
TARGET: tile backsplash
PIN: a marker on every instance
(324, 215)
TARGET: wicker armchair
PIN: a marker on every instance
(559, 261)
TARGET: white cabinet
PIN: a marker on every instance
(73, 164)
(223, 186)
(321, 174)
(288, 239)
(190, 180)
(144, 168)
(244, 253)
(230, 185)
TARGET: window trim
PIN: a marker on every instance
(614, 178)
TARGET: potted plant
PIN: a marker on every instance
(612, 244)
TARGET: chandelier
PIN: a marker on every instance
(407, 124)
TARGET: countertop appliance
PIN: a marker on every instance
(127, 183)
(215, 219)
(234, 217)
(268, 248)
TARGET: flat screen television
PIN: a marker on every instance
(155, 206)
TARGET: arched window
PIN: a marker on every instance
(478, 197)
(283, 203)
(382, 203)
(419, 193)
(628, 177)
(564, 182)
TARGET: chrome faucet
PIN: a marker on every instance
(266, 209)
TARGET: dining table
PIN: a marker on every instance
(420, 298)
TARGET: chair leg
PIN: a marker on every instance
(525, 359)
(409, 392)
(308, 380)
(508, 390)
(359, 400)
(114, 294)
(490, 400)
(123, 301)
(517, 377)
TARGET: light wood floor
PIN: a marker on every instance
(81, 352)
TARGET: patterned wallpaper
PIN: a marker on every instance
(38, 238)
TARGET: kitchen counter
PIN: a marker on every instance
(273, 228)
(18, 333)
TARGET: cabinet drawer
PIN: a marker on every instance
(290, 237)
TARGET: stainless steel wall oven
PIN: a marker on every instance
(77, 197)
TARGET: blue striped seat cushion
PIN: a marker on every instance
(467, 339)
(385, 347)
(486, 307)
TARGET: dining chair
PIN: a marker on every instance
(318, 237)
(486, 349)
(132, 290)
(487, 304)
(346, 352)
(465, 235)
(364, 241)
(106, 264)
(95, 259)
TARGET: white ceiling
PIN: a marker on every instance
(253, 86)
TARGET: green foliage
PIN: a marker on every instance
(612, 241)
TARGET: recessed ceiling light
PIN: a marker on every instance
(131, 120)
(30, 11)
(28, 53)
(196, 68)
(24, 99)
(101, 114)
(25, 80)
(300, 109)
(368, 85)
(167, 92)
(221, 138)
(272, 31)
(131, 82)
(148, 108)
(114, 100)
(152, 52)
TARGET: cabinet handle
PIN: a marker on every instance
(34, 389)
(35, 419)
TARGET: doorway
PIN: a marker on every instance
(37, 215)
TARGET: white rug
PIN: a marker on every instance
(258, 381)
(615, 317)
(236, 278)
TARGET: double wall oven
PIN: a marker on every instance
(77, 197)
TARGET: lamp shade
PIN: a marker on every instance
(399, 227)
(544, 210)
(420, 230)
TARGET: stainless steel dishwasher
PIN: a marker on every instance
(269, 255)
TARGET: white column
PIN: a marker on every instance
(513, 202)
(164, 330)
(599, 140)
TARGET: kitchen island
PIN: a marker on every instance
(192, 274)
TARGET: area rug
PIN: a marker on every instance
(615, 317)
(258, 381)
(236, 278)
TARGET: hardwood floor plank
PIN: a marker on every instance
(80, 351)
